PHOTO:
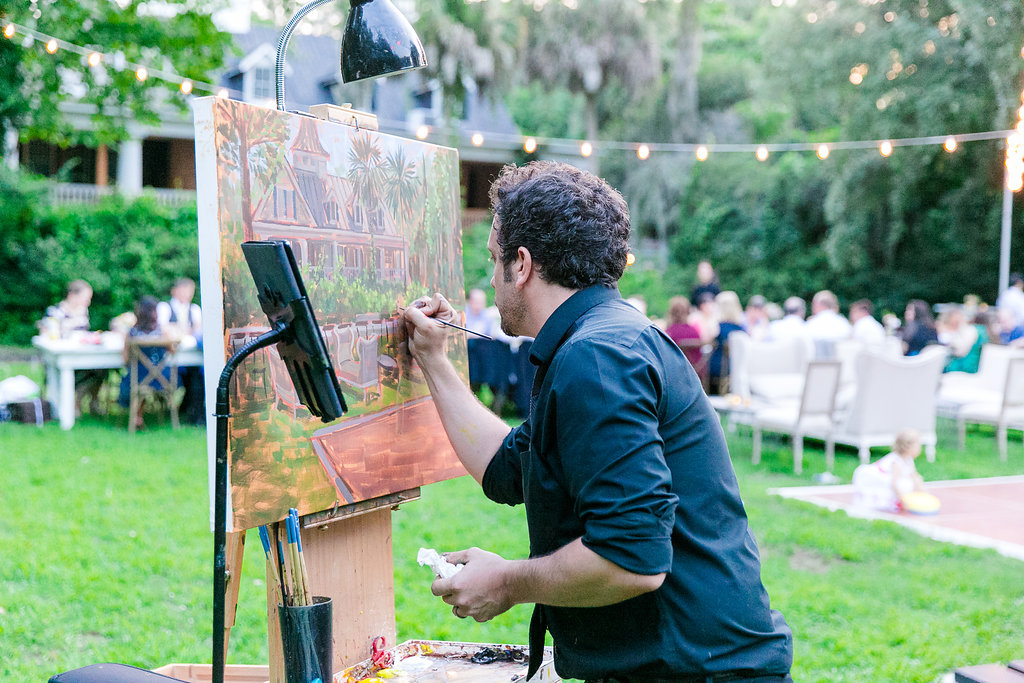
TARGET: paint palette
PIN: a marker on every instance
(433, 661)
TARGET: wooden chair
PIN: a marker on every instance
(143, 359)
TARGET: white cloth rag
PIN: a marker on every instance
(428, 557)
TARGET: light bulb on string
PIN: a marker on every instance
(701, 153)
(530, 145)
(223, 93)
(823, 152)
(477, 139)
(630, 258)
(422, 132)
(643, 152)
(950, 144)
(186, 87)
(761, 153)
(9, 31)
(586, 149)
(51, 46)
(142, 73)
(95, 58)
(885, 148)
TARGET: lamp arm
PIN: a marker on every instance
(282, 46)
(220, 490)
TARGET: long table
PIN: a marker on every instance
(62, 357)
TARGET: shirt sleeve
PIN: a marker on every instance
(612, 454)
(503, 478)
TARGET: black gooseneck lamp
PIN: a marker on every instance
(377, 41)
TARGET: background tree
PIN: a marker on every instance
(174, 35)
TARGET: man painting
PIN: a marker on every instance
(642, 565)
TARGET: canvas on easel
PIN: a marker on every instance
(373, 221)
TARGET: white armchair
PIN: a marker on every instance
(892, 394)
(1006, 411)
(769, 370)
(814, 414)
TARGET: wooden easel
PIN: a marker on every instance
(348, 549)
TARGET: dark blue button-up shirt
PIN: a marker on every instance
(623, 449)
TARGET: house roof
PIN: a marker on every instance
(313, 76)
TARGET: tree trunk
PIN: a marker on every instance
(590, 126)
(243, 162)
(682, 92)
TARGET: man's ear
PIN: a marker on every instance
(522, 268)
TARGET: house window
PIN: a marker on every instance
(262, 83)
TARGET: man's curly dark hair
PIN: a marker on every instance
(574, 224)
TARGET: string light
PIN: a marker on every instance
(823, 152)
(885, 147)
(94, 58)
(422, 132)
(630, 258)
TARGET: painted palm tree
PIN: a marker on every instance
(253, 141)
(402, 186)
(366, 171)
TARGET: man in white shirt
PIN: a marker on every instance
(791, 325)
(825, 326)
(179, 312)
(865, 328)
(1012, 298)
(179, 315)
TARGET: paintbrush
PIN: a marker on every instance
(306, 595)
(271, 563)
(419, 304)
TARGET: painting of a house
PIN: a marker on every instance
(374, 223)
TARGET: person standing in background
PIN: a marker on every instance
(707, 283)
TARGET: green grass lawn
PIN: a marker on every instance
(105, 555)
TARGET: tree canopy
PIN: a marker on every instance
(171, 35)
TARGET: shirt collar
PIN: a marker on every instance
(556, 327)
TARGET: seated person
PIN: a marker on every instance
(181, 318)
(685, 335)
(918, 330)
(731, 313)
(883, 484)
(70, 318)
(965, 341)
(146, 329)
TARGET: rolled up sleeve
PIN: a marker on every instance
(612, 455)
(503, 478)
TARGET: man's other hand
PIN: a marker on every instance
(481, 589)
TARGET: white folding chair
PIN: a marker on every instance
(1009, 410)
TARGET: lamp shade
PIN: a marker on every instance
(378, 41)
